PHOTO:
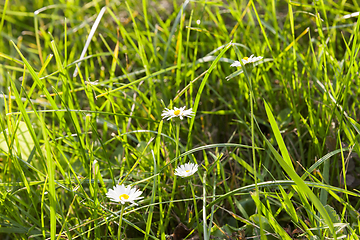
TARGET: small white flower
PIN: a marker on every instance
(246, 60)
(176, 112)
(94, 83)
(186, 170)
(123, 194)
(94, 167)
(94, 163)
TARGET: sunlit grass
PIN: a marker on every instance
(97, 94)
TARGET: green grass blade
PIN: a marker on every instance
(289, 169)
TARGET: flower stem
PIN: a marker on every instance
(195, 207)
(174, 182)
(120, 221)
(252, 100)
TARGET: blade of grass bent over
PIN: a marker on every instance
(289, 169)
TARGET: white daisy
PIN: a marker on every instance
(94, 83)
(123, 194)
(186, 170)
(246, 60)
(177, 112)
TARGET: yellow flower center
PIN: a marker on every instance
(125, 196)
(245, 58)
(187, 171)
(177, 112)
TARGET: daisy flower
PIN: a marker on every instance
(186, 170)
(176, 112)
(123, 194)
(246, 60)
(94, 83)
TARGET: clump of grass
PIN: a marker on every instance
(274, 139)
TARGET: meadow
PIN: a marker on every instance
(179, 119)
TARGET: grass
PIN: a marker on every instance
(83, 88)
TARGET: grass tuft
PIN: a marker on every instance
(84, 86)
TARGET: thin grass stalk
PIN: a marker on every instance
(157, 153)
(153, 195)
(205, 232)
